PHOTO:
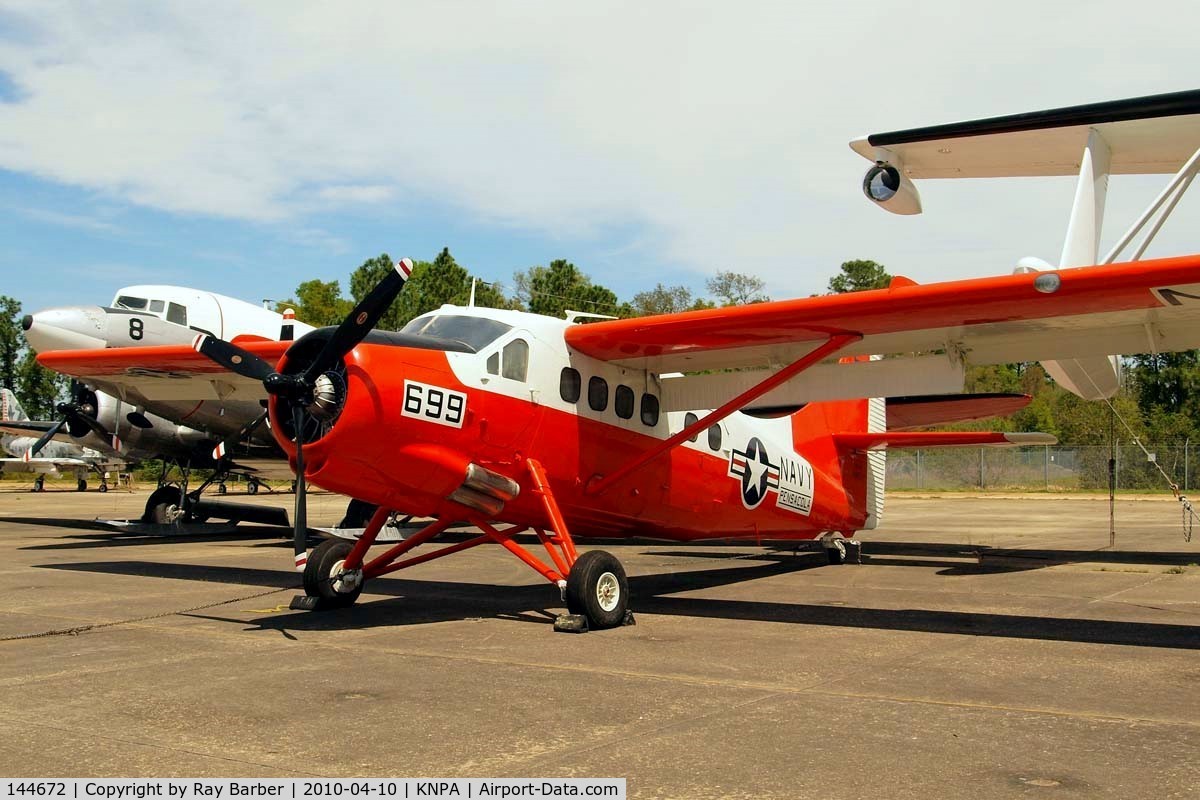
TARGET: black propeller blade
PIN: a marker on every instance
(80, 411)
(232, 357)
(47, 436)
(297, 388)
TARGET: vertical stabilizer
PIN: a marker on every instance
(10, 409)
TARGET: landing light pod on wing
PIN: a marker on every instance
(888, 187)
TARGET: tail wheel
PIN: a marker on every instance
(598, 589)
(326, 578)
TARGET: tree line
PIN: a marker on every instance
(1159, 400)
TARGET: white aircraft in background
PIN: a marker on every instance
(215, 431)
(55, 458)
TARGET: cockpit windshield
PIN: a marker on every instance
(474, 331)
(132, 303)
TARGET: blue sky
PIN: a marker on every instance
(244, 148)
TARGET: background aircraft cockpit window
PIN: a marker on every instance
(476, 332)
(156, 306)
(132, 303)
(516, 360)
(176, 313)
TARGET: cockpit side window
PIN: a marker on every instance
(516, 360)
(476, 332)
(176, 313)
(156, 306)
(132, 303)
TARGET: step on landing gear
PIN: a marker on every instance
(593, 584)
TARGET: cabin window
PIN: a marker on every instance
(623, 401)
(156, 306)
(176, 313)
(649, 410)
(569, 385)
(493, 364)
(690, 419)
(132, 303)
(714, 437)
(597, 393)
(516, 360)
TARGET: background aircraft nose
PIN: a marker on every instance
(65, 328)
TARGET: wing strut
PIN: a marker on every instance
(598, 484)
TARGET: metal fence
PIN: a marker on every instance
(1041, 468)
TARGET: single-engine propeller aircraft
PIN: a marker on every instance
(519, 423)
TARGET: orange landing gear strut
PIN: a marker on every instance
(593, 584)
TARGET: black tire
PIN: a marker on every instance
(160, 498)
(590, 587)
(252, 487)
(103, 487)
(358, 514)
(81, 485)
(316, 574)
(837, 553)
(222, 488)
(39, 483)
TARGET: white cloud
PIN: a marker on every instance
(715, 131)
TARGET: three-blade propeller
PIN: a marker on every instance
(297, 387)
(78, 410)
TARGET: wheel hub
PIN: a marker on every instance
(343, 580)
(608, 591)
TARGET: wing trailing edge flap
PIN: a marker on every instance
(924, 439)
(920, 375)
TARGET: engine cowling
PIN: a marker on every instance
(886, 185)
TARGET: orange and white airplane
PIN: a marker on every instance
(760, 422)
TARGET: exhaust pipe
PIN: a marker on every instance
(484, 490)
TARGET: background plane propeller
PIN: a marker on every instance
(297, 388)
(81, 410)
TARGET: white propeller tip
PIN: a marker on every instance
(405, 266)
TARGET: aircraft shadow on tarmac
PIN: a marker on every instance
(415, 602)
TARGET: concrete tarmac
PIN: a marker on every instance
(986, 647)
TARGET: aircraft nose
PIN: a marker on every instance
(65, 328)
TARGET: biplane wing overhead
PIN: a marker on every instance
(1150, 306)
(1146, 135)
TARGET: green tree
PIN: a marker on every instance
(318, 303)
(662, 300)
(38, 389)
(559, 287)
(363, 279)
(1168, 382)
(858, 275)
(10, 340)
(432, 285)
(736, 289)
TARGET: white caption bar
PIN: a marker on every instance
(301, 789)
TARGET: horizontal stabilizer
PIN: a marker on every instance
(906, 413)
(880, 441)
(1146, 135)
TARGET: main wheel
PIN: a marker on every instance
(598, 589)
(324, 575)
(39, 483)
(162, 507)
(252, 487)
(103, 487)
(222, 488)
(836, 553)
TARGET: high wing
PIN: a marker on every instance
(1146, 135)
(1148, 306)
(149, 375)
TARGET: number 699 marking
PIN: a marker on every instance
(434, 404)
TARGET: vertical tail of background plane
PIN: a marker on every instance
(10, 409)
(862, 473)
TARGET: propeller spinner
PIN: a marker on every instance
(309, 392)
